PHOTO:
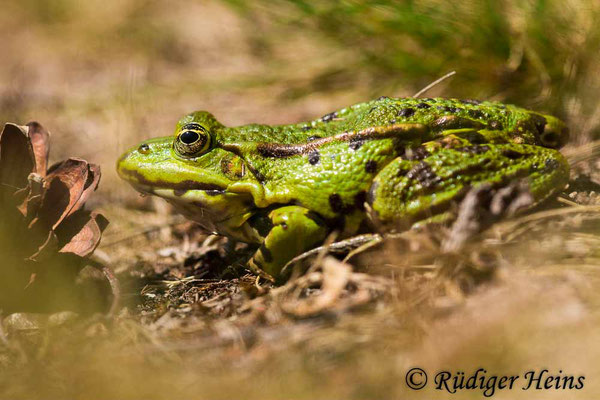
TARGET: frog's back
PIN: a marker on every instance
(436, 113)
(328, 164)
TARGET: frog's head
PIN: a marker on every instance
(551, 131)
(191, 171)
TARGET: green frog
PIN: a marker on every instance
(389, 163)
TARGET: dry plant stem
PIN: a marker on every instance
(355, 242)
(371, 241)
(434, 83)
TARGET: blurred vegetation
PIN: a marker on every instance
(542, 54)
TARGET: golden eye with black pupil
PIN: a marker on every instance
(192, 141)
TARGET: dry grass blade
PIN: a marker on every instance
(434, 83)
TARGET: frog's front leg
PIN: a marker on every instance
(424, 186)
(287, 232)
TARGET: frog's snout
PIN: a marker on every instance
(121, 165)
(131, 164)
(125, 164)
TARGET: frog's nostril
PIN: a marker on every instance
(144, 148)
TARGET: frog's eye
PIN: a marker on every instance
(550, 138)
(192, 140)
(554, 136)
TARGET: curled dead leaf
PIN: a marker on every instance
(45, 231)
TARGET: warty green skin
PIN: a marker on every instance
(383, 163)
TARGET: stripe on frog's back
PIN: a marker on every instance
(278, 150)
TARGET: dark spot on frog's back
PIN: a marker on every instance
(474, 149)
(423, 173)
(371, 166)
(470, 101)
(422, 105)
(454, 122)
(476, 114)
(512, 154)
(313, 137)
(356, 143)
(314, 157)
(551, 165)
(416, 153)
(329, 117)
(448, 109)
(382, 98)
(472, 137)
(406, 112)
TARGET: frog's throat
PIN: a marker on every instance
(224, 213)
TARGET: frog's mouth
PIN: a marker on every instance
(212, 207)
(145, 185)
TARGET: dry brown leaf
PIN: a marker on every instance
(45, 233)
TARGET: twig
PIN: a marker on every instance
(432, 84)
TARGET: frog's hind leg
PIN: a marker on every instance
(426, 184)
